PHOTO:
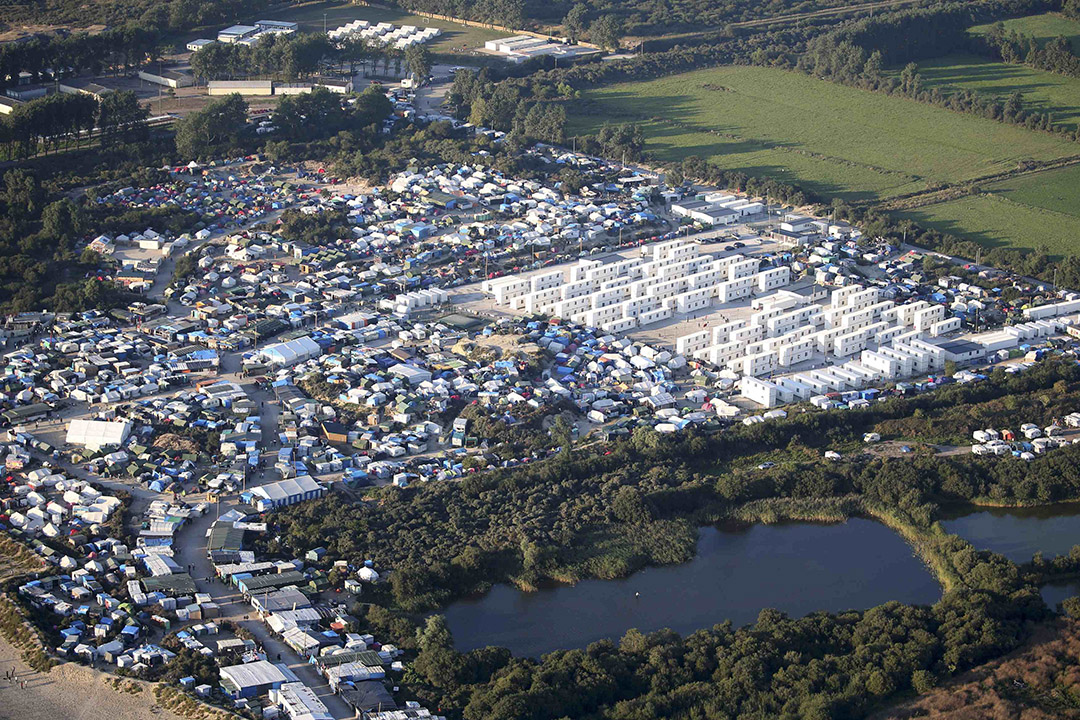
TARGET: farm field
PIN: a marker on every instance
(834, 140)
(997, 221)
(1047, 92)
(1043, 27)
(1056, 190)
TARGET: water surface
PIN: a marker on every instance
(797, 568)
(1018, 533)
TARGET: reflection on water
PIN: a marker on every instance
(1018, 533)
(796, 568)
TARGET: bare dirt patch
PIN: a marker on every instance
(1039, 681)
(72, 692)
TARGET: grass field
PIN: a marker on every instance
(835, 140)
(1044, 27)
(995, 220)
(1045, 91)
(1056, 190)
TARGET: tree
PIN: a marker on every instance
(418, 60)
(606, 32)
(873, 66)
(121, 117)
(22, 194)
(215, 128)
(64, 222)
(574, 22)
(1071, 606)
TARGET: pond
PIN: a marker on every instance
(1018, 533)
(797, 568)
(1056, 593)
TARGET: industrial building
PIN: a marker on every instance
(255, 678)
(168, 78)
(290, 352)
(286, 492)
(519, 48)
(236, 33)
(242, 87)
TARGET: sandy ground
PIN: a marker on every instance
(70, 692)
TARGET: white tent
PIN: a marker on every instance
(96, 434)
(292, 351)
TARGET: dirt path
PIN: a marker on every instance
(71, 692)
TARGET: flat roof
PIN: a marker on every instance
(176, 584)
(961, 346)
(261, 672)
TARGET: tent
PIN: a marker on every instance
(96, 434)
(291, 352)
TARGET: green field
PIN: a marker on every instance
(1056, 190)
(835, 140)
(1043, 27)
(995, 220)
(1044, 91)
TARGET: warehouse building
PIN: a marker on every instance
(286, 492)
(256, 678)
(242, 87)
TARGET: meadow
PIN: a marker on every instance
(1043, 27)
(995, 220)
(1056, 190)
(834, 140)
(1044, 91)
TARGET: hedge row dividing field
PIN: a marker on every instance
(1044, 91)
(844, 142)
(836, 140)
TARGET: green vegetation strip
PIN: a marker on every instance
(1043, 91)
(835, 140)
(1046, 26)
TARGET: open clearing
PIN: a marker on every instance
(996, 221)
(835, 140)
(1044, 91)
(1043, 27)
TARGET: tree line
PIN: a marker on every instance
(55, 55)
(508, 13)
(849, 64)
(173, 16)
(47, 123)
(1055, 55)
(635, 17)
(287, 57)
